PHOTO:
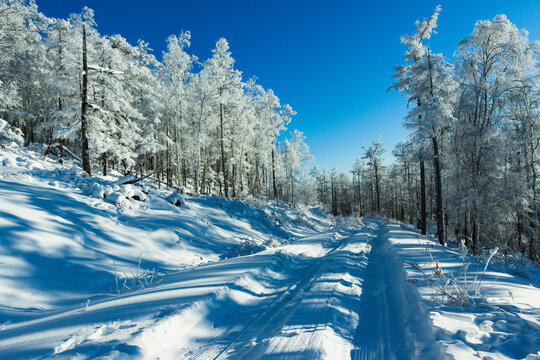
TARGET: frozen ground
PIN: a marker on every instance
(87, 271)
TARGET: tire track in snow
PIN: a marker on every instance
(274, 314)
(392, 324)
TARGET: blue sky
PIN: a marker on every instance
(331, 60)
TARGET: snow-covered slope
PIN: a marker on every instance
(62, 243)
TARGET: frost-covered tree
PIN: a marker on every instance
(404, 153)
(225, 90)
(426, 78)
(373, 154)
(23, 96)
(177, 140)
(481, 114)
(491, 64)
(357, 172)
(296, 157)
(194, 124)
(64, 49)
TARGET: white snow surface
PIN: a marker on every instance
(89, 272)
(503, 322)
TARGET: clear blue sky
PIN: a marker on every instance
(331, 60)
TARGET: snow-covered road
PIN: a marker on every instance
(329, 303)
(392, 323)
(234, 306)
(322, 296)
(280, 301)
(291, 322)
(337, 294)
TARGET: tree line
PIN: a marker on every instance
(469, 169)
(196, 124)
(470, 164)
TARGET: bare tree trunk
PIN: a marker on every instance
(233, 175)
(438, 188)
(223, 167)
(169, 162)
(475, 235)
(466, 229)
(372, 195)
(233, 181)
(292, 188)
(377, 190)
(409, 188)
(184, 172)
(534, 237)
(84, 112)
(219, 181)
(274, 174)
(360, 195)
(532, 254)
(518, 225)
(422, 198)
(203, 181)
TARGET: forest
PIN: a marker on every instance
(468, 170)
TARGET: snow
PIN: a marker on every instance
(395, 323)
(502, 323)
(88, 271)
(11, 135)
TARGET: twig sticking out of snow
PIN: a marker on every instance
(132, 180)
(62, 148)
(456, 290)
(85, 305)
(135, 280)
(492, 252)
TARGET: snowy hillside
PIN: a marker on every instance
(84, 230)
(87, 271)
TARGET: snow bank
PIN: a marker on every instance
(10, 135)
(92, 231)
(503, 322)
